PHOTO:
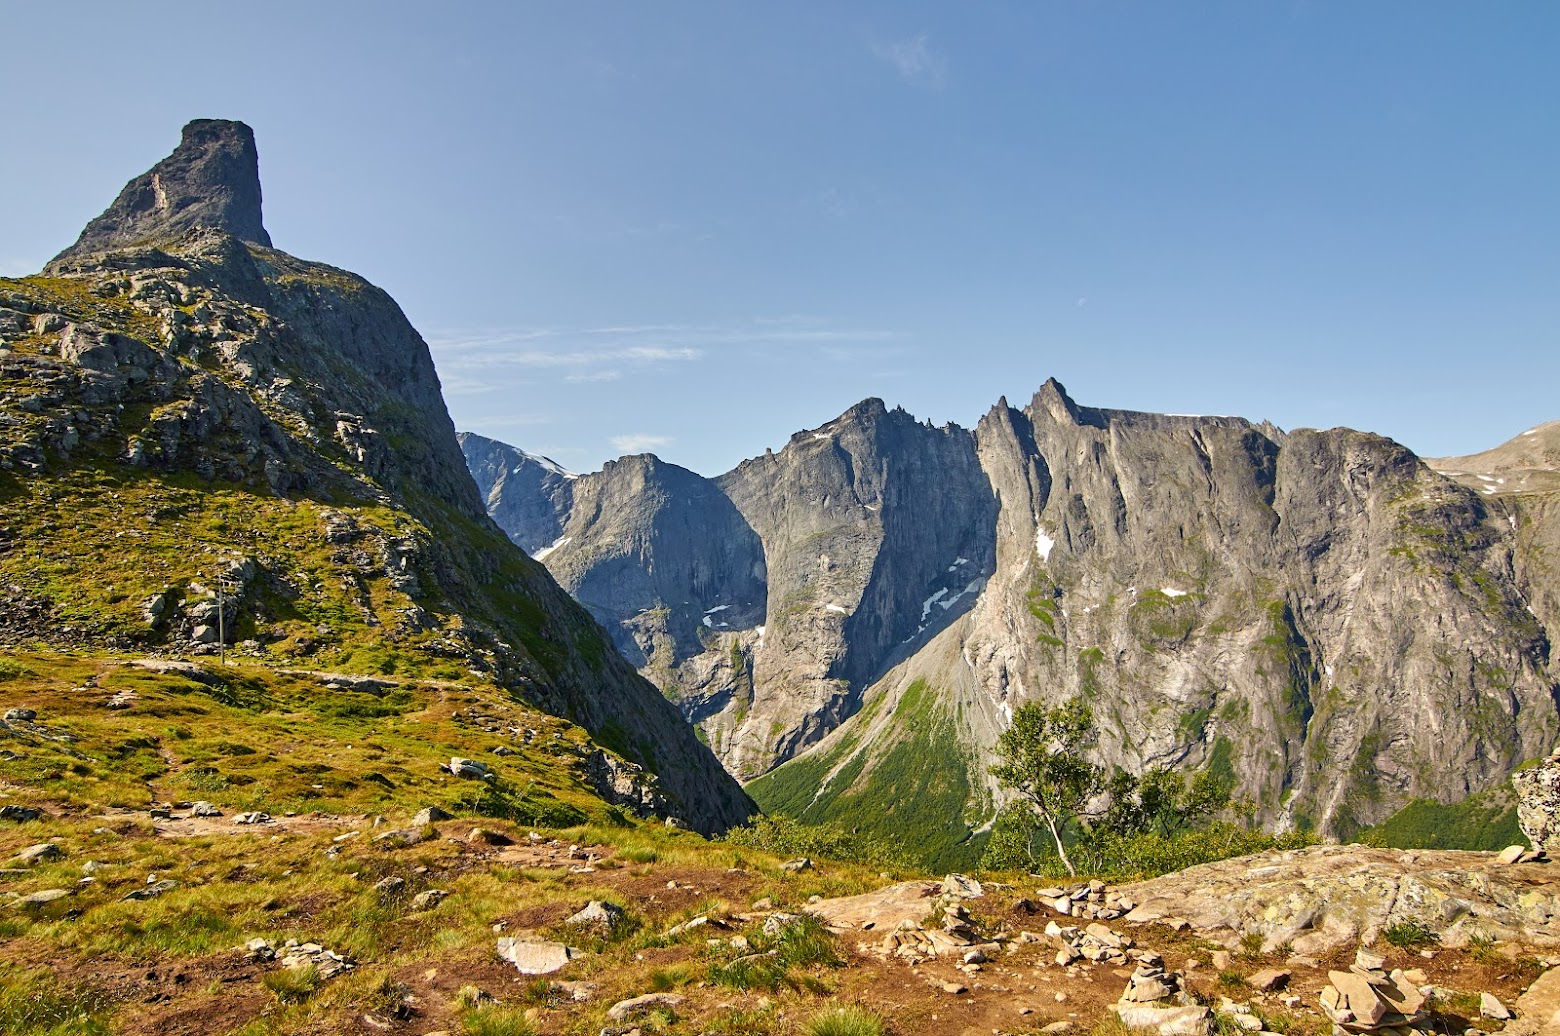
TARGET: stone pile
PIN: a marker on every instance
(1157, 1000)
(294, 955)
(1368, 999)
(1092, 900)
(1096, 944)
(899, 909)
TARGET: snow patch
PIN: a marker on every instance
(926, 605)
(1170, 591)
(717, 608)
(554, 545)
(1006, 708)
(836, 608)
(1531, 431)
(1484, 478)
(822, 435)
(1043, 544)
(1513, 520)
(961, 561)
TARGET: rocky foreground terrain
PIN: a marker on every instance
(208, 848)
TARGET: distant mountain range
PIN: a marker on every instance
(1334, 624)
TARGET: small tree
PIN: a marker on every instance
(1041, 756)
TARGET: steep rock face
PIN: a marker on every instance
(212, 180)
(876, 532)
(183, 405)
(528, 496)
(1318, 617)
(1519, 481)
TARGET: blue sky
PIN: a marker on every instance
(695, 228)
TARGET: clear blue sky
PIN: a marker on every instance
(695, 228)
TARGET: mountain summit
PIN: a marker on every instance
(211, 180)
(216, 448)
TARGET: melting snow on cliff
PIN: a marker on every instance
(1043, 544)
(554, 545)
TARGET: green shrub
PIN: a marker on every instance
(845, 1021)
(1410, 935)
(494, 1020)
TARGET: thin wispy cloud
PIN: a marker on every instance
(639, 443)
(481, 361)
(915, 60)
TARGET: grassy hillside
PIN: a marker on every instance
(909, 781)
(327, 762)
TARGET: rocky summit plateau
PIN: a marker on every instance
(316, 717)
(1333, 624)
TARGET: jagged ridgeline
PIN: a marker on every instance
(1330, 625)
(205, 438)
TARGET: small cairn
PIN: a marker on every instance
(1157, 1000)
(1367, 999)
(1091, 901)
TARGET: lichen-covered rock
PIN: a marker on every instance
(1538, 803)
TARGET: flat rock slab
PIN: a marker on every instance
(536, 957)
(1328, 897)
(634, 1006)
(1538, 1010)
(1167, 1021)
(882, 910)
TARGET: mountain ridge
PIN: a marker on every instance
(1227, 593)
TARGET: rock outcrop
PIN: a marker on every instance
(212, 180)
(1314, 615)
(1538, 803)
(222, 444)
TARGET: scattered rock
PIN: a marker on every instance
(953, 987)
(19, 814)
(640, 1005)
(598, 914)
(429, 899)
(470, 769)
(204, 809)
(404, 837)
(962, 887)
(260, 950)
(20, 715)
(153, 890)
(389, 887)
(694, 924)
(33, 855)
(326, 963)
(256, 817)
(796, 866)
(430, 814)
(1491, 1007)
(536, 957)
(38, 899)
(487, 836)
(1268, 980)
(1511, 854)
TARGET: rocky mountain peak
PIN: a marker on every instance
(1054, 400)
(212, 179)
